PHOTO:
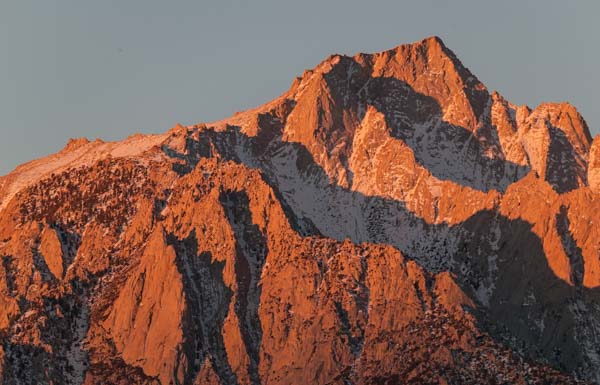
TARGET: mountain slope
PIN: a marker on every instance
(385, 220)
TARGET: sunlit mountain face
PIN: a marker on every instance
(387, 220)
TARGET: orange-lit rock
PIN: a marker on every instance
(51, 249)
(385, 220)
(593, 173)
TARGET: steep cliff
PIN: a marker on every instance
(386, 220)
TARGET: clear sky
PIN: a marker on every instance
(110, 68)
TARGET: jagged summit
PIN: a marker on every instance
(428, 100)
(385, 220)
(421, 88)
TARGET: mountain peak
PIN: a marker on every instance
(566, 115)
(75, 143)
(433, 42)
(432, 102)
(384, 197)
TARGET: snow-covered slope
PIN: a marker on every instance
(385, 220)
(77, 153)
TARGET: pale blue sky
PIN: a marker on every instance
(110, 68)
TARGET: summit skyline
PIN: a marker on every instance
(106, 70)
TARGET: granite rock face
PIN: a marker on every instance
(386, 220)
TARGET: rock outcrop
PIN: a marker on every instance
(386, 220)
(593, 172)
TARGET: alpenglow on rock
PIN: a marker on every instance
(386, 220)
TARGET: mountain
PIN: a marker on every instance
(386, 220)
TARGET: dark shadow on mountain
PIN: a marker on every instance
(529, 303)
(570, 246)
(530, 309)
(8, 263)
(563, 171)
(30, 362)
(448, 151)
(250, 255)
(70, 242)
(208, 299)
